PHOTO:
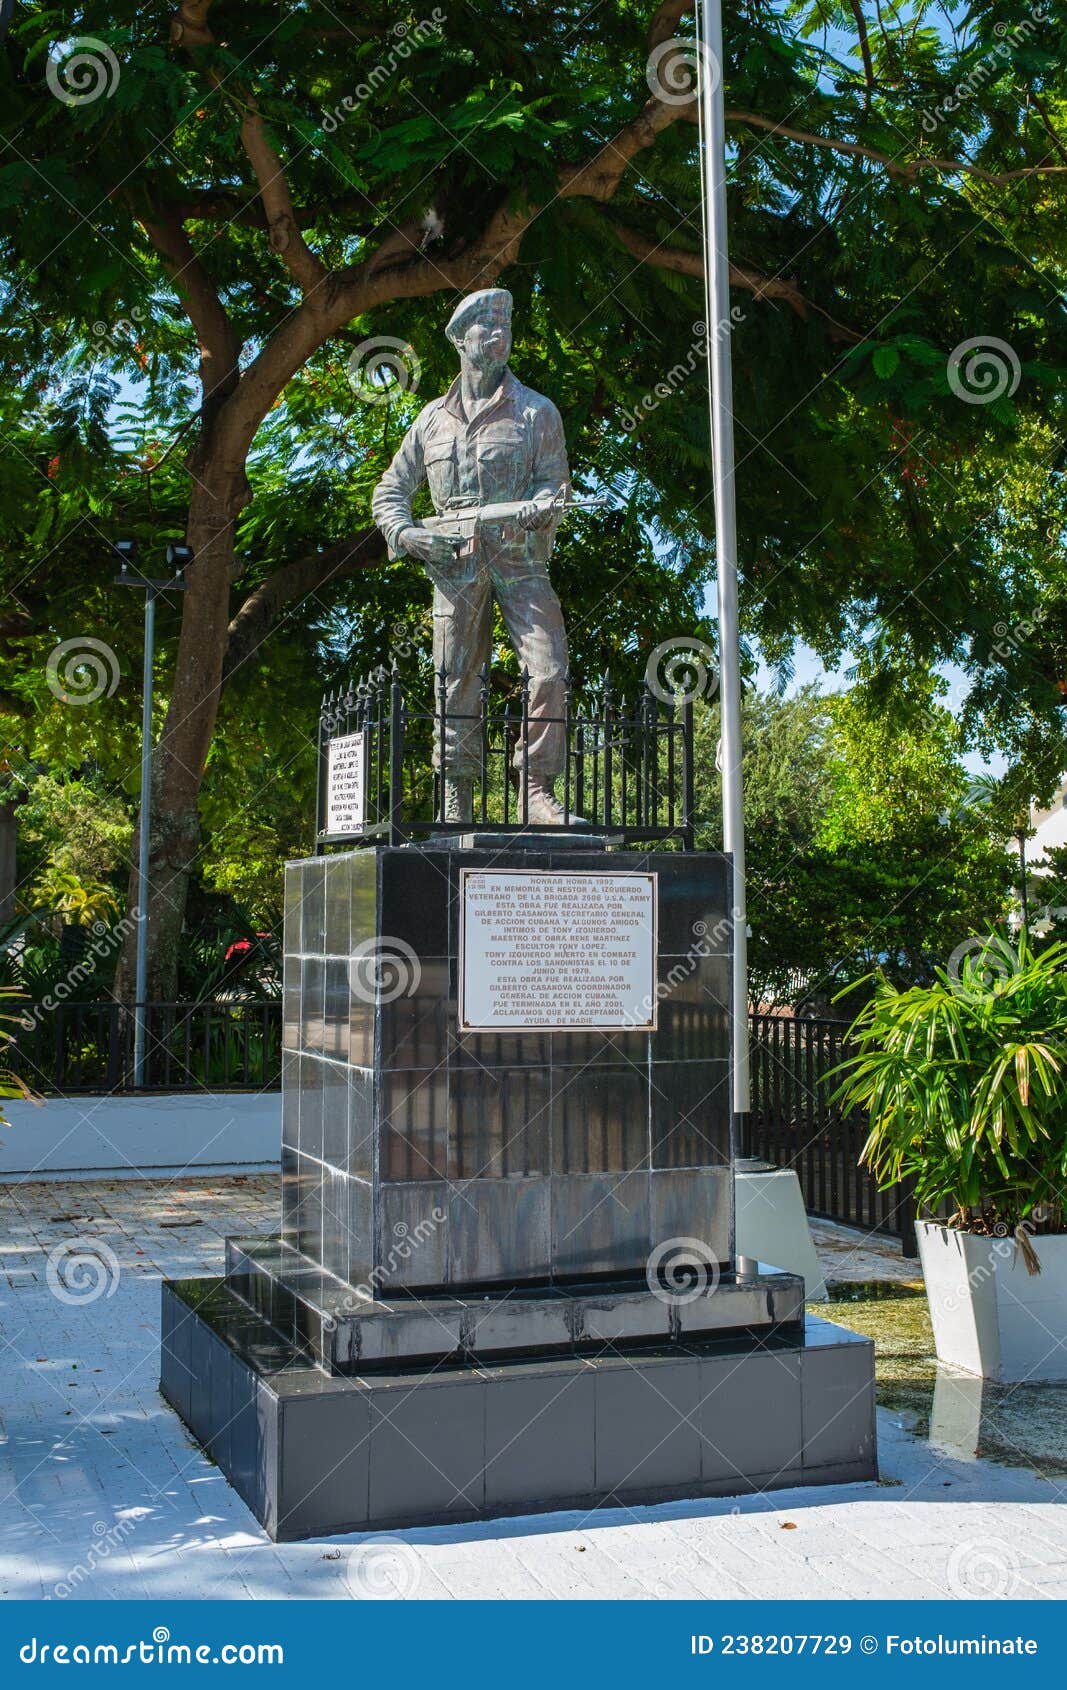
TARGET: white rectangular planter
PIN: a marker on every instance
(989, 1314)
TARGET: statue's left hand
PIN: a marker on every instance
(534, 516)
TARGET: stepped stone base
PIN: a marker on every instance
(313, 1453)
(348, 1331)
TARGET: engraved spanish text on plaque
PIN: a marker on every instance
(559, 951)
(346, 784)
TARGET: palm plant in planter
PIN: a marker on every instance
(965, 1083)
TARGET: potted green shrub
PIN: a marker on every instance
(965, 1083)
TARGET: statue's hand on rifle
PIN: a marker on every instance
(535, 515)
(435, 549)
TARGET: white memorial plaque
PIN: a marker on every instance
(346, 784)
(557, 950)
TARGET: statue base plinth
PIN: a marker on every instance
(314, 1454)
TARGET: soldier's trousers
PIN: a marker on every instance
(462, 644)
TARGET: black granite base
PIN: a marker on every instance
(344, 1331)
(313, 1454)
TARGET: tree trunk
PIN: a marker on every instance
(220, 492)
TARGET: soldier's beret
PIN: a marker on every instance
(486, 306)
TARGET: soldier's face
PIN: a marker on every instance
(487, 344)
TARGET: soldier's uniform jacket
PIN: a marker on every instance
(511, 449)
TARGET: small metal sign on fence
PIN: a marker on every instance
(628, 770)
(346, 784)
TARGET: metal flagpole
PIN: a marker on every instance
(719, 326)
(140, 990)
(178, 557)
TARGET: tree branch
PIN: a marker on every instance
(306, 269)
(263, 607)
(947, 166)
(1047, 122)
(189, 26)
(220, 205)
(741, 276)
(600, 175)
(190, 29)
(218, 343)
(665, 21)
(865, 52)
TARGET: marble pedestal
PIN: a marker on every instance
(458, 1316)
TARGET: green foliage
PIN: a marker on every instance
(82, 903)
(1047, 892)
(869, 493)
(10, 1084)
(859, 851)
(878, 510)
(965, 1080)
(890, 763)
(74, 827)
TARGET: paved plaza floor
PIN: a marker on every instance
(104, 1494)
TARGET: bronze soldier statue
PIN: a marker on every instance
(493, 454)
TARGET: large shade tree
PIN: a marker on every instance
(224, 202)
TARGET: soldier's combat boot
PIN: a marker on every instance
(543, 807)
(459, 798)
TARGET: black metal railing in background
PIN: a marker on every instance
(628, 769)
(794, 1124)
(88, 1047)
(77, 1048)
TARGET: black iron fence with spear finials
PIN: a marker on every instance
(628, 770)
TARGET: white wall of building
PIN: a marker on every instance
(127, 1137)
(1050, 828)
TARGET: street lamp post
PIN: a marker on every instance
(1021, 836)
(177, 559)
(720, 376)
